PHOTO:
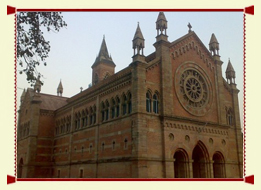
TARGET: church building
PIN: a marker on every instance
(170, 114)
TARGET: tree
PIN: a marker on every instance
(32, 48)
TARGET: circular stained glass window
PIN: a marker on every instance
(193, 89)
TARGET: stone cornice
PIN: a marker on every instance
(219, 130)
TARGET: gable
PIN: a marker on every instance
(194, 79)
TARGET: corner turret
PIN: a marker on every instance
(230, 73)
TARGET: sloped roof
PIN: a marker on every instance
(51, 102)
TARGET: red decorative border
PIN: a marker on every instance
(246, 10)
(15, 92)
(244, 95)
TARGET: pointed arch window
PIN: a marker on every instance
(113, 108)
(155, 103)
(91, 117)
(103, 111)
(83, 119)
(124, 105)
(94, 114)
(148, 102)
(86, 117)
(77, 121)
(107, 110)
(129, 103)
(118, 102)
(229, 116)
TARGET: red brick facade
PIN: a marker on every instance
(169, 114)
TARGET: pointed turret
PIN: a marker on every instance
(230, 73)
(22, 96)
(103, 55)
(37, 86)
(138, 42)
(214, 45)
(161, 24)
(103, 64)
(60, 89)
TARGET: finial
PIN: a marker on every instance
(189, 26)
(81, 88)
(103, 36)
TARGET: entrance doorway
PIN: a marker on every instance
(180, 164)
(219, 165)
(200, 159)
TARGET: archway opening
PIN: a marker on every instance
(199, 156)
(218, 165)
(180, 166)
(20, 168)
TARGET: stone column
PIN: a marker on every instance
(211, 171)
(190, 169)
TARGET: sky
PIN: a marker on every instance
(74, 48)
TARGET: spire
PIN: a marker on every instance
(103, 55)
(60, 89)
(214, 45)
(161, 24)
(230, 73)
(22, 96)
(138, 41)
(37, 86)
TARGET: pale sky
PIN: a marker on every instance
(74, 49)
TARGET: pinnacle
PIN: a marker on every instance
(213, 39)
(229, 67)
(161, 17)
(138, 33)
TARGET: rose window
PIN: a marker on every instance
(193, 90)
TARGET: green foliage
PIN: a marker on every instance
(32, 48)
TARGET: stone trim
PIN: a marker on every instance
(197, 128)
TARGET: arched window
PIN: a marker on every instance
(107, 105)
(77, 121)
(124, 105)
(91, 118)
(103, 111)
(148, 102)
(94, 114)
(86, 117)
(83, 119)
(129, 103)
(155, 104)
(118, 106)
(68, 124)
(113, 108)
(229, 116)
